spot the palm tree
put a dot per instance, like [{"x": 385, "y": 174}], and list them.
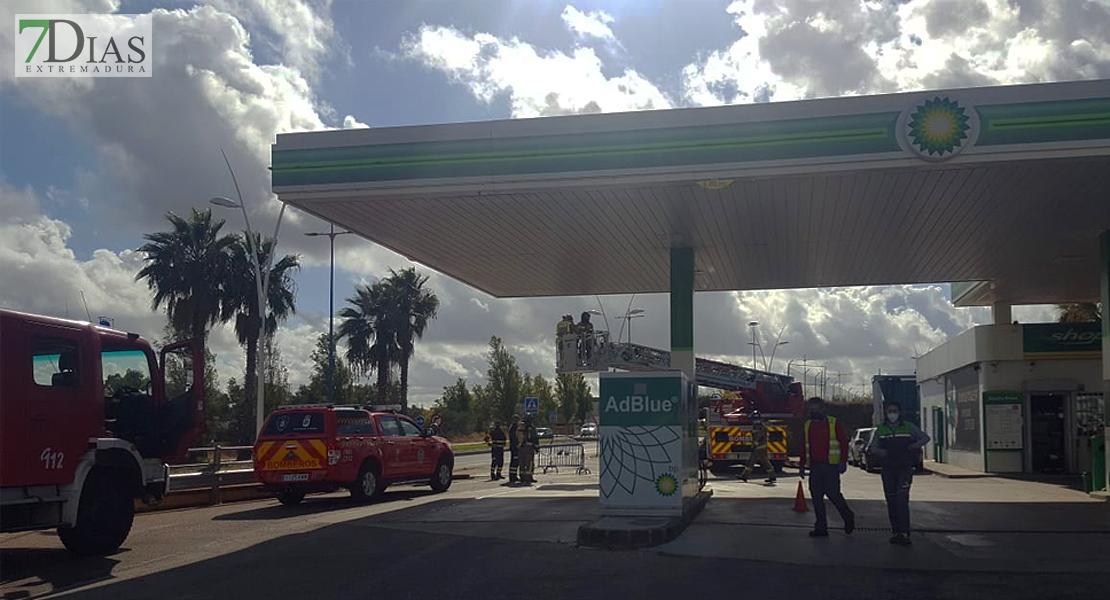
[
  {"x": 412, "y": 306},
  {"x": 187, "y": 267},
  {"x": 371, "y": 338},
  {"x": 242, "y": 303},
  {"x": 1088, "y": 312}
]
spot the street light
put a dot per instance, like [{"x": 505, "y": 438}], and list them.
[
  {"x": 775, "y": 349},
  {"x": 635, "y": 313},
  {"x": 261, "y": 282},
  {"x": 331, "y": 310},
  {"x": 753, "y": 325}
]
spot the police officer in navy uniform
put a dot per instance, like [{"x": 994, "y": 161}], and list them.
[
  {"x": 514, "y": 449},
  {"x": 497, "y": 440}
]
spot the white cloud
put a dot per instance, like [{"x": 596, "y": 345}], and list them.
[
  {"x": 588, "y": 24},
  {"x": 301, "y": 33},
  {"x": 791, "y": 49},
  {"x": 350, "y": 122},
  {"x": 537, "y": 82}
]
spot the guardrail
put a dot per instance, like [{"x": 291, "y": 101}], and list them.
[{"x": 213, "y": 468}]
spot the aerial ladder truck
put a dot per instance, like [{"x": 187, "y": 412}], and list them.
[{"x": 777, "y": 398}]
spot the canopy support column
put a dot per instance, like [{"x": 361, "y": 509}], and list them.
[
  {"x": 682, "y": 311},
  {"x": 1104, "y": 287},
  {"x": 1002, "y": 313}
]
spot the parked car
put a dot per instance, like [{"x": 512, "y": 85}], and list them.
[
  {"x": 545, "y": 433},
  {"x": 305, "y": 449},
  {"x": 589, "y": 430},
  {"x": 857, "y": 446}
]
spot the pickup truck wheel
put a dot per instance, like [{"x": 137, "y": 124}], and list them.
[
  {"x": 290, "y": 497},
  {"x": 368, "y": 485},
  {"x": 104, "y": 516},
  {"x": 441, "y": 479}
]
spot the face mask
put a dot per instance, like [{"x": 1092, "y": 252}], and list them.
[{"x": 892, "y": 417}]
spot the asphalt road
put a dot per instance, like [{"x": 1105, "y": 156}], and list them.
[{"x": 416, "y": 544}]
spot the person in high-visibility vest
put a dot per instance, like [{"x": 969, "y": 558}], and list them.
[
  {"x": 894, "y": 446},
  {"x": 824, "y": 451},
  {"x": 759, "y": 451},
  {"x": 496, "y": 439},
  {"x": 565, "y": 326}
]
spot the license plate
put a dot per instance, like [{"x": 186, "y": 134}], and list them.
[{"x": 294, "y": 477}]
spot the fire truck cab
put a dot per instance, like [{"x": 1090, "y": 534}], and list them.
[{"x": 89, "y": 418}]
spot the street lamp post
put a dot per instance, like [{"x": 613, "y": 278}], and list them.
[
  {"x": 775, "y": 349},
  {"x": 261, "y": 282},
  {"x": 753, "y": 325},
  {"x": 331, "y": 309},
  {"x": 635, "y": 313}
]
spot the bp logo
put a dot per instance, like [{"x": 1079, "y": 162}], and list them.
[
  {"x": 666, "y": 484},
  {"x": 938, "y": 129}
]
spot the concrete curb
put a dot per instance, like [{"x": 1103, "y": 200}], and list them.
[
  {"x": 631, "y": 534},
  {"x": 958, "y": 475}
]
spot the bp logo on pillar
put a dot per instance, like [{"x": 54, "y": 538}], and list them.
[{"x": 938, "y": 128}]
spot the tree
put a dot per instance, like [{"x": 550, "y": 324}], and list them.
[
  {"x": 371, "y": 339},
  {"x": 187, "y": 268},
  {"x": 573, "y": 396},
  {"x": 1088, "y": 312},
  {"x": 504, "y": 381},
  {"x": 410, "y": 309},
  {"x": 242, "y": 301},
  {"x": 456, "y": 397},
  {"x": 276, "y": 378},
  {"x": 130, "y": 379},
  {"x": 316, "y": 390}
]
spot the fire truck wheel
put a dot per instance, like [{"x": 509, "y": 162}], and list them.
[
  {"x": 441, "y": 479},
  {"x": 290, "y": 497},
  {"x": 104, "y": 516},
  {"x": 368, "y": 485}
]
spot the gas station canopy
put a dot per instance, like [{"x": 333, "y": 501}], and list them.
[{"x": 1004, "y": 188}]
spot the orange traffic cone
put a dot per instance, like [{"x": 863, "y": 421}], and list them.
[{"x": 800, "y": 505}]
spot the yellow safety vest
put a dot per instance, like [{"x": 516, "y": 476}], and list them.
[{"x": 834, "y": 443}]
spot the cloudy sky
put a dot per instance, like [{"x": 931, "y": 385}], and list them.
[{"x": 88, "y": 166}]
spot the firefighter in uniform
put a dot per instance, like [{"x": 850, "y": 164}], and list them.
[
  {"x": 585, "y": 331},
  {"x": 563, "y": 328},
  {"x": 529, "y": 443},
  {"x": 496, "y": 439},
  {"x": 514, "y": 449},
  {"x": 759, "y": 450}
]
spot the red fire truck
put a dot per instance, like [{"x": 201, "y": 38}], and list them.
[{"x": 89, "y": 418}]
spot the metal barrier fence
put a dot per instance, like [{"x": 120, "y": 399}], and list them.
[
  {"x": 213, "y": 468},
  {"x": 553, "y": 456}
]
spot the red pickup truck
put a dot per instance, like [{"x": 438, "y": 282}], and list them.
[{"x": 321, "y": 448}]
